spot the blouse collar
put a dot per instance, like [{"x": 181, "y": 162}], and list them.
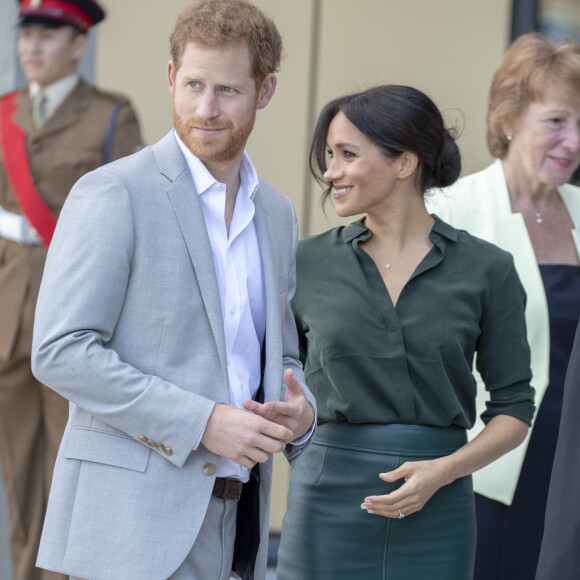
[{"x": 357, "y": 230}]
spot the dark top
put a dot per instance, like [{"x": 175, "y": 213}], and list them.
[
  {"x": 369, "y": 362},
  {"x": 559, "y": 556},
  {"x": 562, "y": 287}
]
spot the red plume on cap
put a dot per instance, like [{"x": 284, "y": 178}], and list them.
[{"x": 81, "y": 14}]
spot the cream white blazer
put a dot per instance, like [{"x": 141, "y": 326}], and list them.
[{"x": 480, "y": 204}]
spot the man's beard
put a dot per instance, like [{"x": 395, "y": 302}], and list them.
[{"x": 223, "y": 147}]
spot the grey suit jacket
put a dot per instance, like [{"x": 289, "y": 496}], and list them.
[{"x": 129, "y": 329}]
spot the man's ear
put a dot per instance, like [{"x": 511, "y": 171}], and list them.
[
  {"x": 408, "y": 163},
  {"x": 266, "y": 90},
  {"x": 80, "y": 43},
  {"x": 171, "y": 72}
]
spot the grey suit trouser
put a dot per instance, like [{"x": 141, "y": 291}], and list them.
[{"x": 212, "y": 553}]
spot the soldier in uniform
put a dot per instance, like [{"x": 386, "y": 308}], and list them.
[{"x": 51, "y": 133}]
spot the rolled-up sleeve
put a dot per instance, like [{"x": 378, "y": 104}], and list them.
[{"x": 503, "y": 353}]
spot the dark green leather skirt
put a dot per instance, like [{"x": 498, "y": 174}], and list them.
[{"x": 325, "y": 533}]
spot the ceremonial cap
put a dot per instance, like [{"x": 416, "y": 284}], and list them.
[{"x": 81, "y": 14}]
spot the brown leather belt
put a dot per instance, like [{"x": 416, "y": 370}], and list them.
[{"x": 226, "y": 488}]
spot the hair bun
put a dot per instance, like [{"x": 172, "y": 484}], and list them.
[{"x": 448, "y": 161}]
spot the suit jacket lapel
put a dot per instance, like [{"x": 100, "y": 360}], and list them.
[
  {"x": 569, "y": 195},
  {"x": 184, "y": 199},
  {"x": 65, "y": 115},
  {"x": 23, "y": 113},
  {"x": 263, "y": 231}
]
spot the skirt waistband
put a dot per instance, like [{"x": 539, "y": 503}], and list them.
[{"x": 410, "y": 440}]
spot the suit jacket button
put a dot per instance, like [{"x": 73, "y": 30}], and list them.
[
  {"x": 151, "y": 443},
  {"x": 209, "y": 468},
  {"x": 159, "y": 447},
  {"x": 168, "y": 451},
  {"x": 143, "y": 438}
]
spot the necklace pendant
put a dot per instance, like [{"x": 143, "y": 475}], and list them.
[{"x": 387, "y": 266}]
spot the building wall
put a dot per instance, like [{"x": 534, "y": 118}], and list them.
[{"x": 447, "y": 48}]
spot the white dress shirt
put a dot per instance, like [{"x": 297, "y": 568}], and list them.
[
  {"x": 238, "y": 265},
  {"x": 55, "y": 93}
]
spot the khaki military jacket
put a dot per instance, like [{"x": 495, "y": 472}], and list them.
[{"x": 70, "y": 144}]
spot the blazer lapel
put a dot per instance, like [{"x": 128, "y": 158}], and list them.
[
  {"x": 66, "y": 114},
  {"x": 185, "y": 201},
  {"x": 23, "y": 114},
  {"x": 571, "y": 199},
  {"x": 264, "y": 231},
  {"x": 69, "y": 111}
]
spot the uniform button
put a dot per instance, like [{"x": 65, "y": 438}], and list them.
[
  {"x": 168, "y": 451},
  {"x": 209, "y": 468},
  {"x": 151, "y": 443},
  {"x": 143, "y": 438}
]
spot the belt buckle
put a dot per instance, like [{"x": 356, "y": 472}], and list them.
[
  {"x": 29, "y": 233},
  {"x": 15, "y": 227}
]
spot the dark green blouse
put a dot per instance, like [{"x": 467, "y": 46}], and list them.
[{"x": 369, "y": 362}]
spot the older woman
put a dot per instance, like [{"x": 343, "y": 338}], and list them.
[
  {"x": 390, "y": 311},
  {"x": 522, "y": 203}
]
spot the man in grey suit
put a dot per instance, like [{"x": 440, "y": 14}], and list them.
[{"x": 164, "y": 317}]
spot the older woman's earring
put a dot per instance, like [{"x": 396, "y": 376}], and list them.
[{"x": 508, "y": 137}]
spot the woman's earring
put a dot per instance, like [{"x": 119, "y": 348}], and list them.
[{"x": 508, "y": 137}]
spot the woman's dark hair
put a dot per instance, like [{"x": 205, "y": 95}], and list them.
[{"x": 397, "y": 119}]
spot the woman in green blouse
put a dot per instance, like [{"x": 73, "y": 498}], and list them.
[{"x": 391, "y": 312}]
